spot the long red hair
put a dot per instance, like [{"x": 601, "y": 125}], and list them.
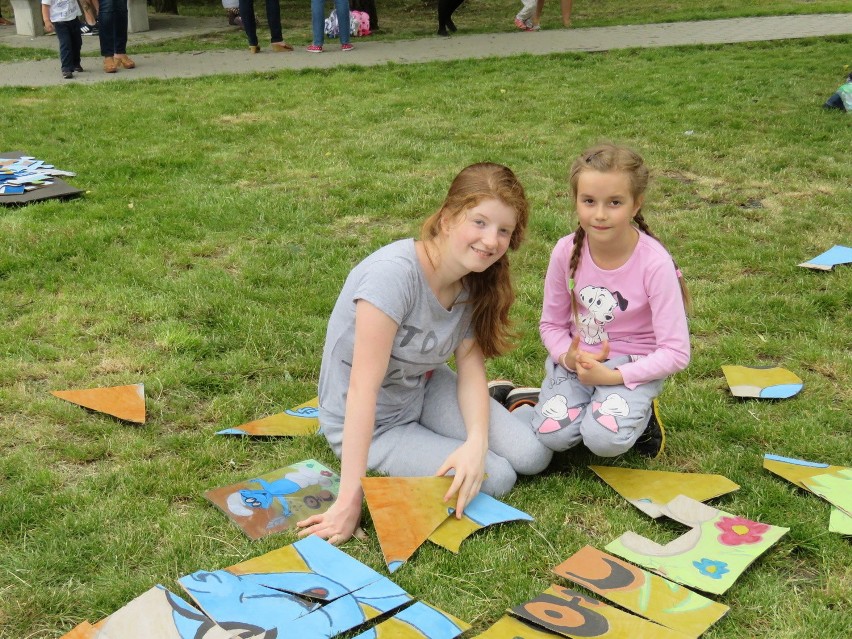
[{"x": 490, "y": 292}]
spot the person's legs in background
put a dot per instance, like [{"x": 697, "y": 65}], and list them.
[
  {"x": 343, "y": 19},
  {"x": 317, "y": 25}
]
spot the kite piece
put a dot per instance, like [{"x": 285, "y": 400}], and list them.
[
  {"x": 306, "y": 589},
  {"x": 84, "y": 630},
  {"x": 641, "y": 592},
  {"x": 123, "y": 402},
  {"x": 572, "y": 614},
  {"x": 162, "y": 614},
  {"x": 709, "y": 557},
  {"x": 418, "y": 621},
  {"x": 23, "y": 179},
  {"x": 405, "y": 512},
  {"x": 840, "y": 522},
  {"x": 835, "y": 488},
  {"x": 513, "y": 628},
  {"x": 765, "y": 383},
  {"x": 798, "y": 470},
  {"x": 483, "y": 510},
  {"x": 302, "y": 420},
  {"x": 832, "y": 257},
  {"x": 651, "y": 490},
  {"x": 276, "y": 501}
]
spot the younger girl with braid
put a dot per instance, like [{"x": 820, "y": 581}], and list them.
[{"x": 614, "y": 317}]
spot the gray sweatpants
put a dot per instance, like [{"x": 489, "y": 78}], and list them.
[
  {"x": 417, "y": 449},
  {"x": 607, "y": 419}
]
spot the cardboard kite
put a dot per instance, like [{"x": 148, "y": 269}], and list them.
[
  {"x": 651, "y": 490},
  {"x": 483, "y": 510},
  {"x": 514, "y": 628},
  {"x": 25, "y": 179},
  {"x": 641, "y": 592},
  {"x": 294, "y": 422},
  {"x": 123, "y": 402},
  {"x": 832, "y": 257},
  {"x": 573, "y": 614},
  {"x": 416, "y": 501},
  {"x": 307, "y": 589},
  {"x": 84, "y": 630},
  {"x": 765, "y": 383},
  {"x": 711, "y": 556},
  {"x": 418, "y": 621},
  {"x": 835, "y": 488},
  {"x": 419, "y": 502},
  {"x": 162, "y": 614},
  {"x": 275, "y": 501},
  {"x": 803, "y": 473}
]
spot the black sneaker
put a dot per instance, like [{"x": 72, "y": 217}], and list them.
[
  {"x": 499, "y": 389},
  {"x": 89, "y": 29},
  {"x": 652, "y": 442},
  {"x": 78, "y": 69},
  {"x": 68, "y": 75},
  {"x": 522, "y": 397}
]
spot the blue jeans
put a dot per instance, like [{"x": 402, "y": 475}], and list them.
[
  {"x": 318, "y": 20},
  {"x": 273, "y": 17},
  {"x": 112, "y": 18},
  {"x": 70, "y": 42}
]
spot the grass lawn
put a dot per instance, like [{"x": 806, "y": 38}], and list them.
[{"x": 222, "y": 215}]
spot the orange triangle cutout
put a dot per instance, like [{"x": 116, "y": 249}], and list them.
[
  {"x": 405, "y": 511},
  {"x": 124, "y": 402}
]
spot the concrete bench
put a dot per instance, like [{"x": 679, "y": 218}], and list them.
[{"x": 28, "y": 20}]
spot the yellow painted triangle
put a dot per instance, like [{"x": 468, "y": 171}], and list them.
[
  {"x": 124, "y": 402},
  {"x": 405, "y": 511},
  {"x": 300, "y": 420},
  {"x": 648, "y": 490},
  {"x": 798, "y": 470}
]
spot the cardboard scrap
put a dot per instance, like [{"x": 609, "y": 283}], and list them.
[
  {"x": 651, "y": 490},
  {"x": 711, "y": 556},
  {"x": 123, "y": 402},
  {"x": 275, "y": 501},
  {"x": 764, "y": 383},
  {"x": 294, "y": 422},
  {"x": 641, "y": 592}
]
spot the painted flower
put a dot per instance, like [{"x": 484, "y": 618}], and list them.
[
  {"x": 737, "y": 530},
  {"x": 711, "y": 568}
]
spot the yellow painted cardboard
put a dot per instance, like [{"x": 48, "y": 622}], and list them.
[
  {"x": 650, "y": 490},
  {"x": 642, "y": 592}
]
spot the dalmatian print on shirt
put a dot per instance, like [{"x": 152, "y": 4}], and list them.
[{"x": 600, "y": 305}]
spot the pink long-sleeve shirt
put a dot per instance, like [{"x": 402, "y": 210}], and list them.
[{"x": 638, "y": 307}]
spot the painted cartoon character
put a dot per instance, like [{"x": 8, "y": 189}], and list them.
[
  {"x": 243, "y": 502},
  {"x": 601, "y": 305}
]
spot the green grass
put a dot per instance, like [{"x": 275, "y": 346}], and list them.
[{"x": 222, "y": 214}]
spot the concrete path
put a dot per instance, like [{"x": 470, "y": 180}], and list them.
[{"x": 372, "y": 52}]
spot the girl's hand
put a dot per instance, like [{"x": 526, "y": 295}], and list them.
[
  {"x": 592, "y": 372},
  {"x": 468, "y": 460},
  {"x": 568, "y": 360},
  {"x": 337, "y": 524}
]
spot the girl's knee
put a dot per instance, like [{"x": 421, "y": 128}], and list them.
[{"x": 500, "y": 477}]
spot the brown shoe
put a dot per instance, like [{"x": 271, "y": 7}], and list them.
[
  {"x": 110, "y": 65},
  {"x": 281, "y": 47},
  {"x": 124, "y": 61}
]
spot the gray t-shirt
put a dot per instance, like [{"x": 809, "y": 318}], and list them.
[{"x": 392, "y": 280}]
